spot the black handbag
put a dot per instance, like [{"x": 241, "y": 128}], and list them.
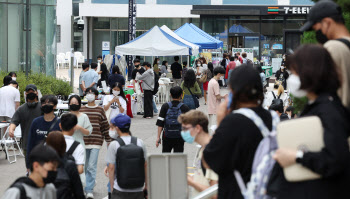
[{"x": 195, "y": 99}]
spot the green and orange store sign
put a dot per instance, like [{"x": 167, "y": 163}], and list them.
[{"x": 288, "y": 10}]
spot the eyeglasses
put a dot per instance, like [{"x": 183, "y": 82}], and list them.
[{"x": 186, "y": 129}]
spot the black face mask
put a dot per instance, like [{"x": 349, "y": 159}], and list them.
[
  {"x": 137, "y": 66},
  {"x": 32, "y": 104},
  {"x": 31, "y": 96},
  {"x": 74, "y": 107},
  {"x": 47, "y": 108},
  {"x": 320, "y": 37},
  {"x": 51, "y": 177}
]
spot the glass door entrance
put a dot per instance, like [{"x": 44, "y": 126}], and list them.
[{"x": 245, "y": 42}]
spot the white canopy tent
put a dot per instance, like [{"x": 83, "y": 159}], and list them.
[
  {"x": 195, "y": 48},
  {"x": 154, "y": 42}
]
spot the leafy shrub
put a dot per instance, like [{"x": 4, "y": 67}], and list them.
[{"x": 46, "y": 84}]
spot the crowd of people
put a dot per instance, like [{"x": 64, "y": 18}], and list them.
[{"x": 239, "y": 149}]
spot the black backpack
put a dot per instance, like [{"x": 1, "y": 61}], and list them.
[
  {"x": 130, "y": 165},
  {"x": 223, "y": 63},
  {"x": 172, "y": 127},
  {"x": 276, "y": 101},
  {"x": 23, "y": 193},
  {"x": 156, "y": 84},
  {"x": 69, "y": 153}
]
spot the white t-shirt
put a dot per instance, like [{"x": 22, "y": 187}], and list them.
[
  {"x": 8, "y": 98},
  {"x": 238, "y": 63},
  {"x": 79, "y": 152},
  {"x": 201, "y": 69},
  {"x": 112, "y": 155},
  {"x": 114, "y": 107},
  {"x": 269, "y": 97}
]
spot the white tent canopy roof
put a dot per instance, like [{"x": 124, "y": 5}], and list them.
[
  {"x": 154, "y": 42},
  {"x": 195, "y": 48}
]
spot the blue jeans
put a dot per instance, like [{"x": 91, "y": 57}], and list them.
[
  {"x": 90, "y": 168},
  {"x": 155, "y": 110}
]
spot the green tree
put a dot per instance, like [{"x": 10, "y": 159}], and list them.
[{"x": 310, "y": 36}]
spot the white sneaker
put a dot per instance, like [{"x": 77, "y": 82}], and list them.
[{"x": 89, "y": 196}]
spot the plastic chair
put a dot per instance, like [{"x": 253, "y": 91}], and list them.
[
  {"x": 67, "y": 59},
  {"x": 18, "y": 135},
  {"x": 60, "y": 61},
  {"x": 167, "y": 92},
  {"x": 80, "y": 59},
  {"x": 8, "y": 143}
]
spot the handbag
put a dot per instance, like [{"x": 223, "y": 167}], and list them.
[
  {"x": 195, "y": 99},
  {"x": 204, "y": 78}
]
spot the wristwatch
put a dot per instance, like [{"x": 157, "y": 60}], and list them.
[{"x": 299, "y": 156}]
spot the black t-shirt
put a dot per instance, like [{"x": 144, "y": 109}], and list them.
[
  {"x": 176, "y": 69},
  {"x": 162, "y": 114},
  {"x": 141, "y": 71},
  {"x": 232, "y": 148},
  {"x": 104, "y": 74}
]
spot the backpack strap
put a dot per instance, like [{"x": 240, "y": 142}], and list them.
[
  {"x": 274, "y": 96},
  {"x": 120, "y": 141},
  {"x": 19, "y": 185},
  {"x": 72, "y": 148},
  {"x": 279, "y": 96},
  {"x": 345, "y": 41},
  {"x": 134, "y": 140},
  {"x": 170, "y": 105},
  {"x": 258, "y": 121},
  {"x": 179, "y": 105}
]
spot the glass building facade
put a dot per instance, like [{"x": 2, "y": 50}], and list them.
[
  {"x": 270, "y": 35},
  {"x": 42, "y": 36}
]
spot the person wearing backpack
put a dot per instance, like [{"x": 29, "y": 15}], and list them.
[
  {"x": 127, "y": 182},
  {"x": 148, "y": 86},
  {"x": 67, "y": 183},
  {"x": 43, "y": 125},
  {"x": 74, "y": 148},
  {"x": 168, "y": 124},
  {"x": 43, "y": 161},
  {"x": 276, "y": 96},
  {"x": 232, "y": 147}
]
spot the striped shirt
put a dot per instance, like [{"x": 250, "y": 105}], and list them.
[{"x": 100, "y": 127}]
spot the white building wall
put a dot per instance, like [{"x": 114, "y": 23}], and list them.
[{"x": 64, "y": 13}]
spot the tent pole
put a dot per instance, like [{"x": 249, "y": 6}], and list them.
[
  {"x": 181, "y": 59},
  {"x": 188, "y": 61}
]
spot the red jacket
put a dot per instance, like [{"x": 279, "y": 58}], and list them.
[{"x": 230, "y": 66}]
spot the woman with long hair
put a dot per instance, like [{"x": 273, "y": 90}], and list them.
[
  {"x": 190, "y": 85},
  {"x": 209, "y": 73},
  {"x": 116, "y": 76},
  {"x": 115, "y": 103},
  {"x": 156, "y": 63}
]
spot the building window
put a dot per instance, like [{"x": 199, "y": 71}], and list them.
[
  {"x": 58, "y": 33},
  {"x": 117, "y": 1},
  {"x": 184, "y": 2}
]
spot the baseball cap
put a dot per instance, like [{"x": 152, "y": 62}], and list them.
[
  {"x": 322, "y": 9},
  {"x": 31, "y": 87},
  {"x": 122, "y": 121}
]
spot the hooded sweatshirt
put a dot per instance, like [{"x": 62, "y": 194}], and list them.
[
  {"x": 147, "y": 80},
  {"x": 32, "y": 191}
]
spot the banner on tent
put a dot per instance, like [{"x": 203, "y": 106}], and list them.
[
  {"x": 207, "y": 56},
  {"x": 249, "y": 51}
]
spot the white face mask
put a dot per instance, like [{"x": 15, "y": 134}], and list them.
[
  {"x": 14, "y": 78},
  {"x": 157, "y": 62},
  {"x": 98, "y": 61},
  {"x": 90, "y": 97},
  {"x": 113, "y": 134},
  {"x": 116, "y": 93},
  {"x": 289, "y": 116},
  {"x": 198, "y": 65},
  {"x": 294, "y": 84},
  {"x": 282, "y": 67}
]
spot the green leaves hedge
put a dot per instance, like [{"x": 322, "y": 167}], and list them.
[{"x": 46, "y": 84}]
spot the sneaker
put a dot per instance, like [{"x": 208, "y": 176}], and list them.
[
  {"x": 155, "y": 114},
  {"x": 89, "y": 196},
  {"x": 140, "y": 113}
]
